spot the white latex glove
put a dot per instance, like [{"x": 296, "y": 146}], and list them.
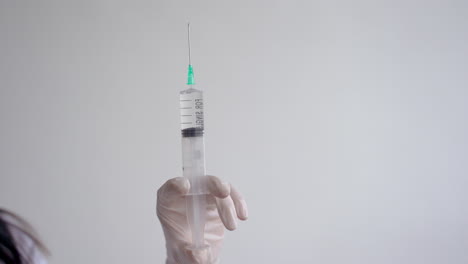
[{"x": 224, "y": 205}]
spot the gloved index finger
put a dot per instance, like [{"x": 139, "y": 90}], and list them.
[
  {"x": 218, "y": 188},
  {"x": 176, "y": 186}
]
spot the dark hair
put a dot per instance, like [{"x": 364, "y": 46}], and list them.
[{"x": 13, "y": 251}]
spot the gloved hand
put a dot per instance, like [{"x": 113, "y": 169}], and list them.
[{"x": 224, "y": 205}]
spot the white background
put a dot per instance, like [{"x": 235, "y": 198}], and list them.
[{"x": 344, "y": 123}]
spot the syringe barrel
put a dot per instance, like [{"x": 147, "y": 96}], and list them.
[
  {"x": 193, "y": 145},
  {"x": 193, "y": 161}
]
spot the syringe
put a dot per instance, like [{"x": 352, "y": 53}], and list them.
[{"x": 193, "y": 156}]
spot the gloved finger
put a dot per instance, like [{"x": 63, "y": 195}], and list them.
[
  {"x": 240, "y": 204},
  {"x": 178, "y": 186},
  {"x": 227, "y": 212},
  {"x": 218, "y": 188}
]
